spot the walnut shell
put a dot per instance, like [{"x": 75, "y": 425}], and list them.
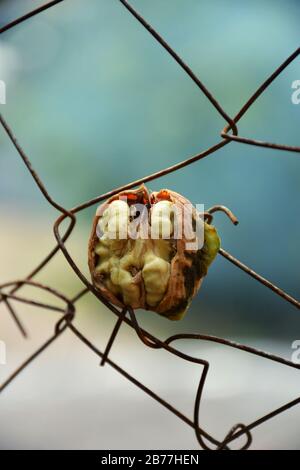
[{"x": 159, "y": 274}]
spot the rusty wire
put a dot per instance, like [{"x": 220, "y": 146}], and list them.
[{"x": 127, "y": 315}]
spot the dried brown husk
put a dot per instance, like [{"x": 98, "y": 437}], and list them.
[{"x": 187, "y": 267}]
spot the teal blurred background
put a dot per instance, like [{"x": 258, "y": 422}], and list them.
[{"x": 95, "y": 102}]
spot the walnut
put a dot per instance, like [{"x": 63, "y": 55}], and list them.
[{"x": 141, "y": 255}]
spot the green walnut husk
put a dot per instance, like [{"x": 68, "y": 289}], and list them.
[{"x": 157, "y": 274}]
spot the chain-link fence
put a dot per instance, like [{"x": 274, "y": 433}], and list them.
[{"x": 11, "y": 291}]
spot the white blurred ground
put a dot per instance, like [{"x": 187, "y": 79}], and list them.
[{"x": 65, "y": 400}]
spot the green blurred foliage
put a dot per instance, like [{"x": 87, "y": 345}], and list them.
[{"x": 96, "y": 102}]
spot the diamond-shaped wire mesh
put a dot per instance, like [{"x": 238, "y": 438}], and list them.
[{"x": 9, "y": 291}]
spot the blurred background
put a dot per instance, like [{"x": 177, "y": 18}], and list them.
[{"x": 96, "y": 102}]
